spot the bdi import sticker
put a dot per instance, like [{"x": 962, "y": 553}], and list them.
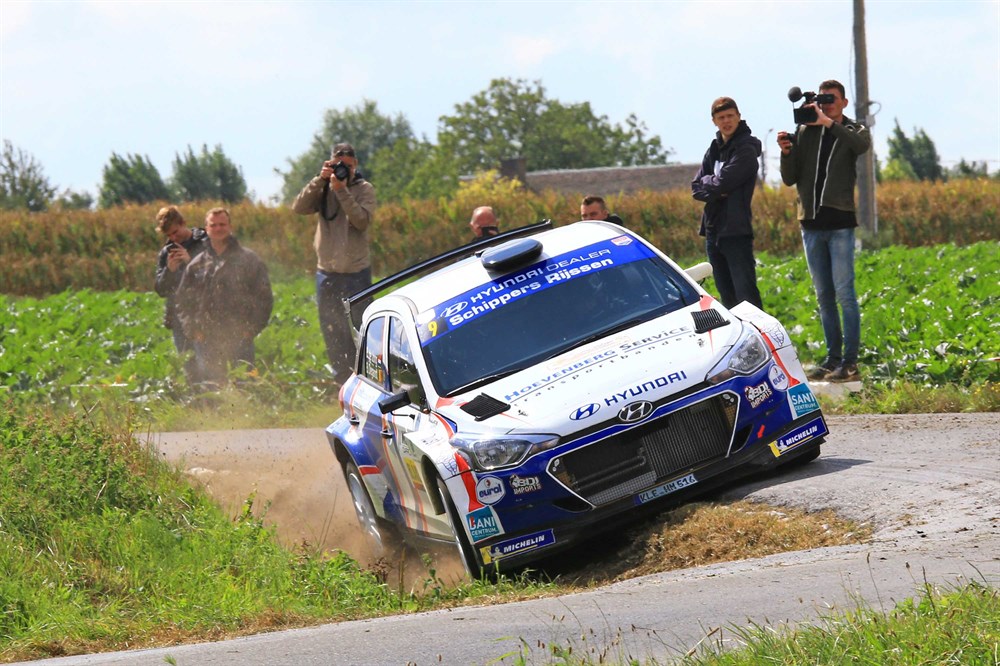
[
  {"x": 788, "y": 441},
  {"x": 498, "y": 551}
]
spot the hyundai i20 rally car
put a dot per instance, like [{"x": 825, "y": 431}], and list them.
[{"x": 532, "y": 388}]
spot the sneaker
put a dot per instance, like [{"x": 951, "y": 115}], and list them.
[
  {"x": 825, "y": 368},
  {"x": 847, "y": 372}
]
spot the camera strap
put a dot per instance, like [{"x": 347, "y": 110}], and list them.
[{"x": 322, "y": 204}]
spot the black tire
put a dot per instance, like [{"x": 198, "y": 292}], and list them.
[
  {"x": 466, "y": 552},
  {"x": 379, "y": 541},
  {"x": 805, "y": 458}
]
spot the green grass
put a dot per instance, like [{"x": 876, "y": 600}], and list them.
[
  {"x": 102, "y": 546},
  {"x": 959, "y": 626}
]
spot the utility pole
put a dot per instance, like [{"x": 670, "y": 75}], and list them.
[{"x": 867, "y": 212}]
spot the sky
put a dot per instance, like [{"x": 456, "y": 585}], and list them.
[{"x": 82, "y": 79}]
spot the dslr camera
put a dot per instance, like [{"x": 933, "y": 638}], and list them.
[
  {"x": 341, "y": 171},
  {"x": 801, "y": 114}
]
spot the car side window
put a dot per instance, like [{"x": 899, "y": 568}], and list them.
[
  {"x": 402, "y": 368},
  {"x": 374, "y": 364}
]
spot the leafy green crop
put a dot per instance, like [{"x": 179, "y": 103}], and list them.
[
  {"x": 77, "y": 348},
  {"x": 929, "y": 315}
]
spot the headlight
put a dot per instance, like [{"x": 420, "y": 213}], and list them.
[
  {"x": 745, "y": 358},
  {"x": 490, "y": 453}
]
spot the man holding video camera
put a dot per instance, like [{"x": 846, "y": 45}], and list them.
[
  {"x": 345, "y": 204},
  {"x": 820, "y": 159}
]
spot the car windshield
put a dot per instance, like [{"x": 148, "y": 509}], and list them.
[{"x": 545, "y": 309}]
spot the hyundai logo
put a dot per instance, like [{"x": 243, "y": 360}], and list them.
[
  {"x": 635, "y": 411},
  {"x": 585, "y": 412},
  {"x": 454, "y": 309}
]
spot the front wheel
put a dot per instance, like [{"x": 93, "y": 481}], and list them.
[
  {"x": 378, "y": 541},
  {"x": 465, "y": 550},
  {"x": 804, "y": 459}
]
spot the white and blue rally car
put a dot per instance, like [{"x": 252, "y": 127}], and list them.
[{"x": 530, "y": 389}]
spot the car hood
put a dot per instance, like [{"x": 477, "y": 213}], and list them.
[{"x": 649, "y": 362}]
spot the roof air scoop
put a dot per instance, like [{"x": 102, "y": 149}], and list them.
[{"x": 511, "y": 254}]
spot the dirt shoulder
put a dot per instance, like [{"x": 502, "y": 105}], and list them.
[{"x": 929, "y": 475}]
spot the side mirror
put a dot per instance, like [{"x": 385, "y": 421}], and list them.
[
  {"x": 700, "y": 272},
  {"x": 394, "y": 402}
]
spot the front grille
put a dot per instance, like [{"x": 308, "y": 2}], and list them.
[{"x": 630, "y": 462}]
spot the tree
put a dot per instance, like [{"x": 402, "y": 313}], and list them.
[
  {"x": 209, "y": 176},
  {"x": 414, "y": 168},
  {"x": 133, "y": 179},
  {"x": 971, "y": 169},
  {"x": 70, "y": 200},
  {"x": 896, "y": 170},
  {"x": 515, "y": 118},
  {"x": 22, "y": 182},
  {"x": 363, "y": 126},
  {"x": 919, "y": 152}
]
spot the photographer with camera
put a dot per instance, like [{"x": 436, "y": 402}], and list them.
[
  {"x": 345, "y": 204},
  {"x": 820, "y": 160},
  {"x": 725, "y": 183},
  {"x": 182, "y": 245}
]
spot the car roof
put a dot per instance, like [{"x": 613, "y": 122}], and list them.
[{"x": 445, "y": 283}]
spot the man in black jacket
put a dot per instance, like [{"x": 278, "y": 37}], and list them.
[
  {"x": 183, "y": 244},
  {"x": 593, "y": 208},
  {"x": 726, "y": 182},
  {"x": 224, "y": 301}
]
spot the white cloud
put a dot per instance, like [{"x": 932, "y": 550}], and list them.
[{"x": 527, "y": 51}]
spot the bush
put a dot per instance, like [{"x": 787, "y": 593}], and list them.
[{"x": 48, "y": 252}]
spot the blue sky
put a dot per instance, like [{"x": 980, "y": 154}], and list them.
[{"x": 80, "y": 80}]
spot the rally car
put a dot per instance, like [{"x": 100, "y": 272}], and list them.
[{"x": 521, "y": 393}]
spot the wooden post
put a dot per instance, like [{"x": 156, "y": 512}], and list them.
[{"x": 867, "y": 212}]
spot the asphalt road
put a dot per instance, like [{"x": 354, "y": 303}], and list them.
[{"x": 930, "y": 485}]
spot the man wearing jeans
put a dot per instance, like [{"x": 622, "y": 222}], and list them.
[
  {"x": 725, "y": 183},
  {"x": 344, "y": 204},
  {"x": 820, "y": 159}
]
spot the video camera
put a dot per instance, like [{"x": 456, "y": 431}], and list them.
[{"x": 803, "y": 115}]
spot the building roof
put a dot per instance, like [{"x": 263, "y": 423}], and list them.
[{"x": 609, "y": 181}]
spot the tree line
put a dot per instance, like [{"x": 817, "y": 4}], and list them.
[{"x": 510, "y": 118}]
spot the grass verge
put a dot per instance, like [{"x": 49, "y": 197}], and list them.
[
  {"x": 959, "y": 625},
  {"x": 105, "y": 547}
]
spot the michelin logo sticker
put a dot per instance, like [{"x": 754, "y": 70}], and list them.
[
  {"x": 785, "y": 443},
  {"x": 498, "y": 551}
]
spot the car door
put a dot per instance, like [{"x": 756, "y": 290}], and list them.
[{"x": 407, "y": 430}]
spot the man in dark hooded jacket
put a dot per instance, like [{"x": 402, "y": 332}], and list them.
[{"x": 726, "y": 182}]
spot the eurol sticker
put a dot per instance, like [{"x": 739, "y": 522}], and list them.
[
  {"x": 778, "y": 378},
  {"x": 489, "y": 490}
]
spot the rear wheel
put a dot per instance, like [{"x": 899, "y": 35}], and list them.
[
  {"x": 465, "y": 550},
  {"x": 378, "y": 539}
]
